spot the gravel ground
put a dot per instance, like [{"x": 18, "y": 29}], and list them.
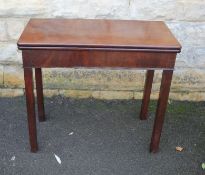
[{"x": 96, "y": 137}]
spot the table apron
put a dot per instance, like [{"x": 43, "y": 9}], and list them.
[{"x": 96, "y": 58}]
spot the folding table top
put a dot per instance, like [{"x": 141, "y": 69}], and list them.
[{"x": 98, "y": 34}]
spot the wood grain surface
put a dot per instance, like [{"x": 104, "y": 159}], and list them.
[{"x": 97, "y": 33}]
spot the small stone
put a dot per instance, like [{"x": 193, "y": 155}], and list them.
[
  {"x": 71, "y": 133},
  {"x": 13, "y": 158}
]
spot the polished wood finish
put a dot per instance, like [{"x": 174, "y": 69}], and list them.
[
  {"x": 48, "y": 43},
  {"x": 100, "y": 33},
  {"x": 30, "y": 102},
  {"x": 161, "y": 109},
  {"x": 39, "y": 93},
  {"x": 146, "y": 95},
  {"x": 121, "y": 59}
]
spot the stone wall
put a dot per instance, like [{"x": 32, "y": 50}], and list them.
[{"x": 186, "y": 19}]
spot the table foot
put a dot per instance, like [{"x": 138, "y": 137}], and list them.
[
  {"x": 34, "y": 150},
  {"x": 146, "y": 95},
  {"x": 153, "y": 150},
  {"x": 161, "y": 109}
]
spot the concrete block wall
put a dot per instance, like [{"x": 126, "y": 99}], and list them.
[{"x": 186, "y": 19}]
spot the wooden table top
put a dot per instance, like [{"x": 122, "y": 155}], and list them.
[{"x": 98, "y": 33}]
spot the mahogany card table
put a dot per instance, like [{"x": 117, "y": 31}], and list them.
[{"x": 98, "y": 43}]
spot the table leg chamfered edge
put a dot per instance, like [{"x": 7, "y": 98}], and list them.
[
  {"x": 146, "y": 94},
  {"x": 161, "y": 109},
  {"x": 30, "y": 102},
  {"x": 39, "y": 92}
]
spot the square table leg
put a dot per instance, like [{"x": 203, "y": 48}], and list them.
[
  {"x": 146, "y": 95},
  {"x": 39, "y": 92},
  {"x": 161, "y": 109},
  {"x": 30, "y": 102}
]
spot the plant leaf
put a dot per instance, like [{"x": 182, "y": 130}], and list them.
[{"x": 203, "y": 166}]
